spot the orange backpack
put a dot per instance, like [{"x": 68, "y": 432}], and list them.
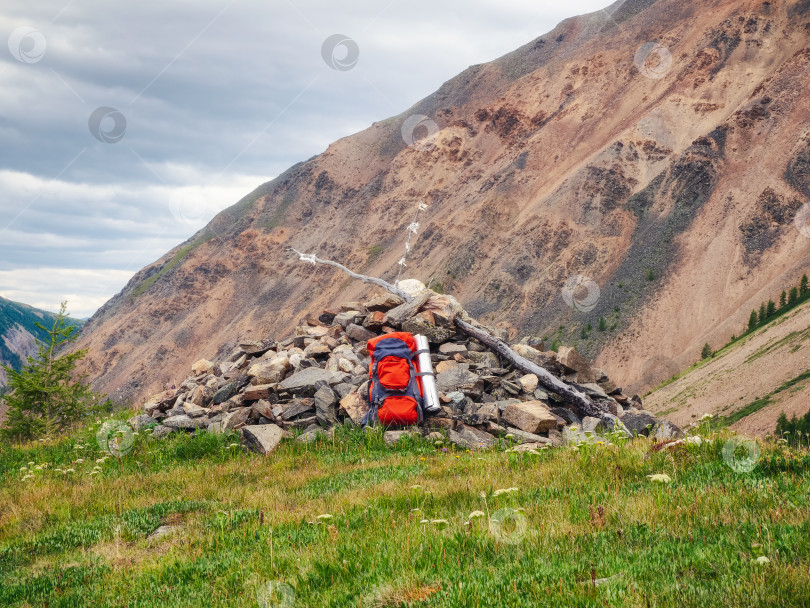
[{"x": 395, "y": 389}]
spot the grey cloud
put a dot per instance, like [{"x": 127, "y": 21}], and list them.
[{"x": 215, "y": 94}]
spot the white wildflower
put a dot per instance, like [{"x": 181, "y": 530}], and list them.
[
  {"x": 763, "y": 560},
  {"x": 79, "y": 460},
  {"x": 476, "y": 514},
  {"x": 439, "y": 522},
  {"x": 660, "y": 478},
  {"x": 324, "y": 516}
]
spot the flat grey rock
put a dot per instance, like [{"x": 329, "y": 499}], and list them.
[{"x": 262, "y": 438}]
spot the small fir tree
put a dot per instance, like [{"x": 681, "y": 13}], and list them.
[
  {"x": 793, "y": 297},
  {"x": 44, "y": 397},
  {"x": 706, "y": 352},
  {"x": 752, "y": 321}
]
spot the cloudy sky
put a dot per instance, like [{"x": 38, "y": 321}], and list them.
[{"x": 126, "y": 126}]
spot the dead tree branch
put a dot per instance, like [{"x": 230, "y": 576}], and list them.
[{"x": 309, "y": 257}]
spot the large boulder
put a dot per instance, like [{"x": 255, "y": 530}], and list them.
[
  {"x": 666, "y": 430},
  {"x": 528, "y": 383},
  {"x": 639, "y": 422},
  {"x": 326, "y": 406},
  {"x": 396, "y": 316},
  {"x": 262, "y": 438},
  {"x": 573, "y": 362},
  {"x": 138, "y": 423},
  {"x": 160, "y": 431},
  {"x": 484, "y": 359},
  {"x": 226, "y": 392},
  {"x": 458, "y": 379},
  {"x": 359, "y": 333},
  {"x": 309, "y": 380},
  {"x": 471, "y": 438},
  {"x": 235, "y": 419},
  {"x": 530, "y": 416},
  {"x": 185, "y": 422},
  {"x": 203, "y": 366},
  {"x": 355, "y": 406},
  {"x": 268, "y": 372},
  {"x": 344, "y": 319},
  {"x": 425, "y": 325},
  {"x": 391, "y": 437},
  {"x": 567, "y": 415},
  {"x": 606, "y": 424},
  {"x": 258, "y": 391},
  {"x": 384, "y": 302},
  {"x": 193, "y": 410},
  {"x": 297, "y": 407}
]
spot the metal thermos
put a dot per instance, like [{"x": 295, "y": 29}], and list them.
[{"x": 430, "y": 394}]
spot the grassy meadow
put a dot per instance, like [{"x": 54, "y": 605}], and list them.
[{"x": 351, "y": 521}]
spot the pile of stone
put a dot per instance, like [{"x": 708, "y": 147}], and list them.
[{"x": 317, "y": 379}]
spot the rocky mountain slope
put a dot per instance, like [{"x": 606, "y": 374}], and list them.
[{"x": 659, "y": 148}]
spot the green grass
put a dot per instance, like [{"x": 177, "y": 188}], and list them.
[{"x": 242, "y": 521}]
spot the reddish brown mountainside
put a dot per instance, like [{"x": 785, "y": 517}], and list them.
[{"x": 676, "y": 195}]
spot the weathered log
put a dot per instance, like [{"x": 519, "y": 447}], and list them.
[
  {"x": 547, "y": 380},
  {"x": 308, "y": 257}
]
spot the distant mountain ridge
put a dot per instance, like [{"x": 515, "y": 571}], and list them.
[{"x": 19, "y": 333}]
